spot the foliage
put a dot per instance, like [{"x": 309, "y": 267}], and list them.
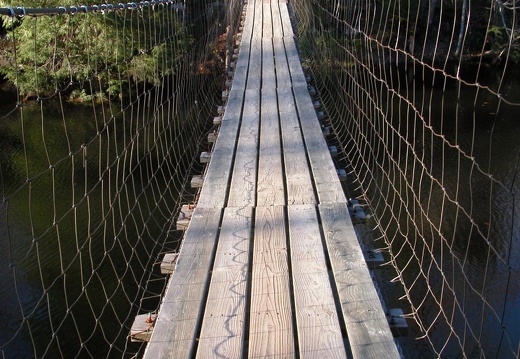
[
  {"x": 504, "y": 43},
  {"x": 112, "y": 47}
]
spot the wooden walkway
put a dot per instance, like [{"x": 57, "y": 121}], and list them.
[{"x": 270, "y": 266}]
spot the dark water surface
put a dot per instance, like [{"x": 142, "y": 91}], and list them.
[
  {"x": 85, "y": 207},
  {"x": 76, "y": 238},
  {"x": 468, "y": 280}
]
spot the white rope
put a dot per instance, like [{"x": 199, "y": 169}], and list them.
[
  {"x": 424, "y": 137},
  {"x": 91, "y": 191}
]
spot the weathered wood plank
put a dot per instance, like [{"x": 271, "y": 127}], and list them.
[
  {"x": 328, "y": 185},
  {"x": 299, "y": 187},
  {"x": 223, "y": 326},
  {"x": 271, "y": 331},
  {"x": 258, "y": 19},
  {"x": 268, "y": 20},
  {"x": 268, "y": 73},
  {"x": 293, "y": 59},
  {"x": 254, "y": 79},
  {"x": 142, "y": 328},
  {"x": 270, "y": 177},
  {"x": 242, "y": 65},
  {"x": 276, "y": 19},
  {"x": 367, "y": 327},
  {"x": 283, "y": 77},
  {"x": 270, "y": 172},
  {"x": 168, "y": 262},
  {"x": 214, "y": 189},
  {"x": 319, "y": 332},
  {"x": 298, "y": 78},
  {"x": 243, "y": 181},
  {"x": 286, "y": 20},
  {"x": 247, "y": 31},
  {"x": 174, "y": 334}
]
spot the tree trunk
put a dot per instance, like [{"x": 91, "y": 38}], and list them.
[
  {"x": 431, "y": 13},
  {"x": 462, "y": 30}
]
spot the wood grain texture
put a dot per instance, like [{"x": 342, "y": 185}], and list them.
[
  {"x": 242, "y": 64},
  {"x": 285, "y": 18},
  {"x": 258, "y": 19},
  {"x": 299, "y": 185},
  {"x": 255, "y": 280},
  {"x": 276, "y": 19},
  {"x": 268, "y": 20},
  {"x": 293, "y": 59},
  {"x": 283, "y": 76},
  {"x": 271, "y": 332},
  {"x": 319, "y": 332},
  {"x": 214, "y": 189},
  {"x": 270, "y": 175},
  {"x": 268, "y": 73},
  {"x": 174, "y": 334},
  {"x": 243, "y": 181},
  {"x": 223, "y": 326},
  {"x": 368, "y": 331},
  {"x": 254, "y": 79},
  {"x": 326, "y": 181}
]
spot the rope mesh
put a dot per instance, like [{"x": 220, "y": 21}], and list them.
[
  {"x": 109, "y": 106},
  {"x": 99, "y": 143},
  {"x": 422, "y": 99}
]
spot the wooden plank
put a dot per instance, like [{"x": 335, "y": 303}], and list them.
[
  {"x": 285, "y": 18},
  {"x": 270, "y": 175},
  {"x": 142, "y": 328},
  {"x": 242, "y": 65},
  {"x": 367, "y": 327},
  {"x": 234, "y": 105},
  {"x": 205, "y": 157},
  {"x": 283, "y": 76},
  {"x": 258, "y": 20},
  {"x": 276, "y": 19},
  {"x": 298, "y": 77},
  {"x": 299, "y": 185},
  {"x": 168, "y": 262},
  {"x": 214, "y": 189},
  {"x": 247, "y": 31},
  {"x": 197, "y": 181},
  {"x": 326, "y": 180},
  {"x": 223, "y": 326},
  {"x": 271, "y": 332},
  {"x": 243, "y": 180},
  {"x": 319, "y": 332},
  {"x": 293, "y": 59},
  {"x": 254, "y": 78},
  {"x": 212, "y": 137},
  {"x": 174, "y": 335},
  {"x": 268, "y": 74},
  {"x": 184, "y": 218},
  {"x": 270, "y": 188},
  {"x": 268, "y": 21}
]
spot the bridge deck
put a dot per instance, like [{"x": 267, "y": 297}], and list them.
[{"x": 270, "y": 265}]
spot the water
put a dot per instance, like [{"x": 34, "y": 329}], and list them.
[
  {"x": 477, "y": 259},
  {"x": 80, "y": 238},
  {"x": 92, "y": 262},
  {"x": 461, "y": 274}
]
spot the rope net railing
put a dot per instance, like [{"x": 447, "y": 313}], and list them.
[
  {"x": 103, "y": 110},
  {"x": 422, "y": 97}
]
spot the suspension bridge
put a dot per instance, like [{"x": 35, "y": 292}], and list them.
[
  {"x": 260, "y": 178},
  {"x": 252, "y": 276}
]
